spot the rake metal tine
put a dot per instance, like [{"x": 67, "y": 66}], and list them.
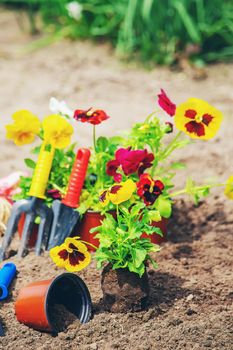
[
  {"x": 47, "y": 229},
  {"x": 46, "y": 217},
  {"x": 11, "y": 229},
  {"x": 43, "y": 231},
  {"x": 27, "y": 229}
]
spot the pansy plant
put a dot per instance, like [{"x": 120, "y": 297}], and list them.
[
  {"x": 121, "y": 244},
  {"x": 143, "y": 175}
]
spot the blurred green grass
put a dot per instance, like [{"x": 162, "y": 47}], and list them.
[{"x": 157, "y": 31}]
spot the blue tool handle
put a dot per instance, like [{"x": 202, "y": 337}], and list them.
[{"x": 7, "y": 273}]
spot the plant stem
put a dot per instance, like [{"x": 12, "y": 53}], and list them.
[
  {"x": 94, "y": 137},
  {"x": 155, "y": 163},
  {"x": 61, "y": 190},
  {"x": 150, "y": 115},
  {"x": 197, "y": 188},
  {"x": 165, "y": 153},
  {"x": 92, "y": 245},
  {"x": 170, "y": 145}
]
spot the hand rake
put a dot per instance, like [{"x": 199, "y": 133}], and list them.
[{"x": 32, "y": 207}]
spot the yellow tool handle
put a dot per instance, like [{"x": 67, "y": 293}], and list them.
[{"x": 41, "y": 172}]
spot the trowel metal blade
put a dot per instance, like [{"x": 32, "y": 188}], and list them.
[{"x": 64, "y": 220}]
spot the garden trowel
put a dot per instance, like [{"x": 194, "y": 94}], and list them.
[
  {"x": 32, "y": 207},
  {"x": 65, "y": 214}
]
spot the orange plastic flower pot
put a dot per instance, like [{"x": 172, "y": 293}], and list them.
[
  {"x": 33, "y": 305},
  {"x": 93, "y": 219},
  {"x": 33, "y": 237},
  {"x": 155, "y": 238},
  {"x": 90, "y": 220}
]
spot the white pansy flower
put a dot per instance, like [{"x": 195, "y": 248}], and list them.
[
  {"x": 74, "y": 10},
  {"x": 60, "y": 107}
]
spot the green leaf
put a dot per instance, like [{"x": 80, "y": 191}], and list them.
[
  {"x": 124, "y": 211},
  {"x": 30, "y": 163},
  {"x": 139, "y": 256},
  {"x": 120, "y": 231},
  {"x": 154, "y": 215},
  {"x": 109, "y": 222},
  {"x": 178, "y": 165},
  {"x": 139, "y": 270},
  {"x": 116, "y": 140},
  {"x": 101, "y": 144},
  {"x": 154, "y": 263},
  {"x": 164, "y": 206},
  {"x": 136, "y": 209},
  {"x": 95, "y": 229},
  {"x": 36, "y": 150},
  {"x": 190, "y": 26},
  {"x": 105, "y": 241},
  {"x": 134, "y": 232},
  {"x": 37, "y": 220},
  {"x": 158, "y": 231}
]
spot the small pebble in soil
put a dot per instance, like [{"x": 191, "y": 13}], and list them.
[
  {"x": 175, "y": 322},
  {"x": 190, "y": 312},
  {"x": 189, "y": 297},
  {"x": 207, "y": 343}
]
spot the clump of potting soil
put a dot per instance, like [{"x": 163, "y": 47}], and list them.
[
  {"x": 60, "y": 317},
  {"x": 124, "y": 291}
]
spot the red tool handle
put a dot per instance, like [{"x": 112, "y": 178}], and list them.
[{"x": 77, "y": 178}]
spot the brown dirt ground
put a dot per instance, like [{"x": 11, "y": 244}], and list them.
[{"x": 191, "y": 292}]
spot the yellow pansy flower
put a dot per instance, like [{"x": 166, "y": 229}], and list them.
[
  {"x": 71, "y": 255},
  {"x": 118, "y": 193},
  {"x": 57, "y": 131},
  {"x": 24, "y": 129},
  {"x": 198, "y": 119},
  {"x": 229, "y": 188}
]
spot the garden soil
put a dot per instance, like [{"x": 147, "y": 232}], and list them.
[{"x": 190, "y": 305}]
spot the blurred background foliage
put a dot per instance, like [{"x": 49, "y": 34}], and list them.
[{"x": 157, "y": 31}]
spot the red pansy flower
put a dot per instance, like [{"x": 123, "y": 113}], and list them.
[
  {"x": 111, "y": 170},
  {"x": 54, "y": 193},
  {"x": 148, "y": 189},
  {"x": 92, "y": 116},
  {"x": 130, "y": 161},
  {"x": 166, "y": 104}
]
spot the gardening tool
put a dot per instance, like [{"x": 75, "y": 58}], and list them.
[
  {"x": 65, "y": 212},
  {"x": 35, "y": 303},
  {"x": 32, "y": 207},
  {"x": 7, "y": 273}
]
